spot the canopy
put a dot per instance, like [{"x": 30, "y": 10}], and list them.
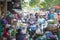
[{"x": 58, "y": 7}]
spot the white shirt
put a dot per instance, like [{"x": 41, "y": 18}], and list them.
[
  {"x": 55, "y": 15},
  {"x": 41, "y": 20}
]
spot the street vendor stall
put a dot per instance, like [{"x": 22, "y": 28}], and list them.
[
  {"x": 57, "y": 8},
  {"x": 52, "y": 25}
]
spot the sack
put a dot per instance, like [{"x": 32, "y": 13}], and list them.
[{"x": 38, "y": 31}]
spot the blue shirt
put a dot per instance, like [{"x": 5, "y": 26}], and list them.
[
  {"x": 51, "y": 16},
  {"x": 41, "y": 20}
]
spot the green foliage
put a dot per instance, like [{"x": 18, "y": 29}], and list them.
[
  {"x": 33, "y": 3},
  {"x": 14, "y": 33},
  {"x": 24, "y": 4},
  {"x": 46, "y": 3},
  {"x": 53, "y": 22},
  {"x": 50, "y": 3}
]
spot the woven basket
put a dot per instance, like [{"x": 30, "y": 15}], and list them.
[{"x": 52, "y": 28}]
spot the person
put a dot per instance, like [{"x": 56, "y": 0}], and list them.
[
  {"x": 51, "y": 15},
  {"x": 31, "y": 20},
  {"x": 49, "y": 35},
  {"x": 32, "y": 30},
  {"x": 36, "y": 15},
  {"x": 20, "y": 35},
  {"x": 4, "y": 21},
  {"x": 55, "y": 15},
  {"x": 59, "y": 33},
  {"x": 58, "y": 20},
  {"x": 47, "y": 15},
  {"x": 1, "y": 30},
  {"x": 31, "y": 25},
  {"x": 40, "y": 22},
  {"x": 6, "y": 34}
]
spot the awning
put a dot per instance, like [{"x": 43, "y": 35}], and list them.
[{"x": 57, "y": 7}]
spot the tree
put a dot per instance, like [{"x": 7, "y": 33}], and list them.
[
  {"x": 50, "y": 3},
  {"x": 34, "y": 3}
]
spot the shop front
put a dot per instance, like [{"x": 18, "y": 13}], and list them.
[
  {"x": 57, "y": 8},
  {"x": 1, "y": 8}
]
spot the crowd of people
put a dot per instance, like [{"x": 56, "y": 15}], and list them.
[{"x": 30, "y": 26}]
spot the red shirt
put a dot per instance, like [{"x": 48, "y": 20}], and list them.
[{"x": 6, "y": 33}]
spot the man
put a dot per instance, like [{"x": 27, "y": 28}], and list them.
[
  {"x": 59, "y": 20},
  {"x": 20, "y": 35},
  {"x": 51, "y": 15},
  {"x": 41, "y": 21},
  {"x": 55, "y": 15}
]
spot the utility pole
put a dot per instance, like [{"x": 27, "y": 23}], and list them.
[
  {"x": 5, "y": 7},
  {"x": 0, "y": 11}
]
